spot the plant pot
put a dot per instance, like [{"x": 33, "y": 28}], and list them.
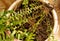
[{"x": 56, "y": 28}]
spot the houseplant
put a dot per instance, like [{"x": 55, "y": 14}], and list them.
[
  {"x": 55, "y": 30},
  {"x": 31, "y": 21}
]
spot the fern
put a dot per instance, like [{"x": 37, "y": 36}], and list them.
[
  {"x": 30, "y": 37},
  {"x": 25, "y": 3}
]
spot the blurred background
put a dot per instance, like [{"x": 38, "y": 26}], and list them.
[{"x": 4, "y": 4}]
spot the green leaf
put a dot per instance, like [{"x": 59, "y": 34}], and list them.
[
  {"x": 25, "y": 3},
  {"x": 30, "y": 37}
]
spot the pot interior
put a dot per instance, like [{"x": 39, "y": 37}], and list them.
[{"x": 40, "y": 18}]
